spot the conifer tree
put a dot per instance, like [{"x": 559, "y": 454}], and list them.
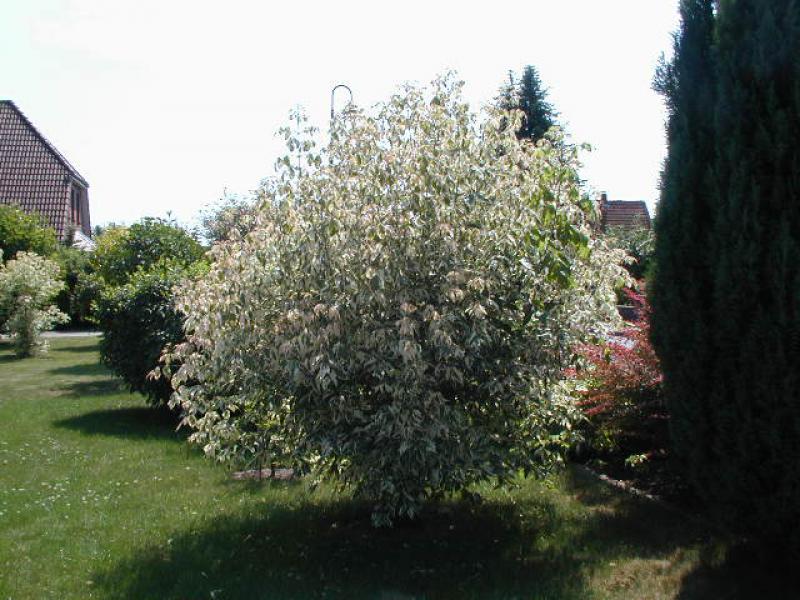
[
  {"x": 539, "y": 113},
  {"x": 529, "y": 95},
  {"x": 681, "y": 287},
  {"x": 726, "y": 296},
  {"x": 753, "y": 474}
]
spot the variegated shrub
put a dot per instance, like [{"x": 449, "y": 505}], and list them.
[
  {"x": 402, "y": 313},
  {"x": 28, "y": 286}
]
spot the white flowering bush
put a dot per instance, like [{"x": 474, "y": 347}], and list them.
[
  {"x": 28, "y": 286},
  {"x": 402, "y": 313}
]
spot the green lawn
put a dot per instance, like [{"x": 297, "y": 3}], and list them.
[{"x": 100, "y": 498}]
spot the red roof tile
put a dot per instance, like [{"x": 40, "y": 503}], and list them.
[
  {"x": 625, "y": 213},
  {"x": 34, "y": 175}
]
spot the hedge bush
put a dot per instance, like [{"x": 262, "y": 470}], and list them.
[
  {"x": 138, "y": 320},
  {"x": 22, "y": 232}
]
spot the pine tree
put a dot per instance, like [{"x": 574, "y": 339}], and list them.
[
  {"x": 539, "y": 113},
  {"x": 507, "y": 97},
  {"x": 528, "y": 95},
  {"x": 681, "y": 288},
  {"x": 753, "y": 471}
]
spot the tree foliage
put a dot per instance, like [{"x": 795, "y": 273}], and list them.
[
  {"x": 21, "y": 232},
  {"x": 752, "y": 471},
  {"x": 232, "y": 216},
  {"x": 28, "y": 284},
  {"x": 121, "y": 251},
  {"x": 401, "y": 316},
  {"x": 639, "y": 244}
]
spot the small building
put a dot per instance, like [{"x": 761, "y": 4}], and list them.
[
  {"x": 629, "y": 214},
  {"x": 37, "y": 178}
]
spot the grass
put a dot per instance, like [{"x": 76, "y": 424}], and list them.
[{"x": 101, "y": 498}]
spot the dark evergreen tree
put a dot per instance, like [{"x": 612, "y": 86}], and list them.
[
  {"x": 681, "y": 292},
  {"x": 726, "y": 295},
  {"x": 753, "y": 472},
  {"x": 539, "y": 113},
  {"x": 528, "y": 95}
]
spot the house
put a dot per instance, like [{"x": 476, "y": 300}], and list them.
[
  {"x": 37, "y": 178},
  {"x": 629, "y": 214}
]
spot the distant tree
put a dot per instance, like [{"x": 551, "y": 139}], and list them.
[
  {"x": 529, "y": 95},
  {"x": 20, "y": 231},
  {"x": 638, "y": 243},
  {"x": 507, "y": 97},
  {"x": 231, "y": 216},
  {"x": 539, "y": 113}
]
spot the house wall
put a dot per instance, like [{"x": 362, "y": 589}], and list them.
[{"x": 80, "y": 219}]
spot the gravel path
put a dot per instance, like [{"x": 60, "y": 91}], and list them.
[
  {"x": 69, "y": 334},
  {"x": 62, "y": 334}
]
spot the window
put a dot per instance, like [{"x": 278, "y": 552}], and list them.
[{"x": 75, "y": 208}]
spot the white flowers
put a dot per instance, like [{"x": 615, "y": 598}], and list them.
[{"x": 28, "y": 284}]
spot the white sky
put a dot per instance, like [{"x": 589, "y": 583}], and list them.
[{"x": 163, "y": 104}]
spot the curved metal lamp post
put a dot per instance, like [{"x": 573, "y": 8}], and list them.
[{"x": 333, "y": 92}]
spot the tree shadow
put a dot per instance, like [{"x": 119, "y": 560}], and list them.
[
  {"x": 8, "y": 358},
  {"x": 728, "y": 569},
  {"x": 94, "y": 387},
  {"x": 77, "y": 349},
  {"x": 332, "y": 551},
  {"x": 531, "y": 548},
  {"x": 81, "y": 370},
  {"x": 637, "y": 527},
  {"x": 139, "y": 422},
  {"x": 739, "y": 572}
]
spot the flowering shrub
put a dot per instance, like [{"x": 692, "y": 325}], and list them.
[
  {"x": 28, "y": 283},
  {"x": 402, "y": 312},
  {"x": 622, "y": 393}
]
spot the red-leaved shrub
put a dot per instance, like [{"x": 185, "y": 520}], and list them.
[{"x": 621, "y": 392}]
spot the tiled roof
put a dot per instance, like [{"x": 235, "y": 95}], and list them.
[
  {"x": 33, "y": 174},
  {"x": 625, "y": 213}
]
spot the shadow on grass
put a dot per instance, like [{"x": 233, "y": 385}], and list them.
[
  {"x": 96, "y": 387},
  {"x": 739, "y": 573},
  {"x": 529, "y": 548},
  {"x": 139, "y": 422},
  {"x": 76, "y": 349},
  {"x": 81, "y": 370},
  {"x": 726, "y": 570},
  {"x": 313, "y": 551}
]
